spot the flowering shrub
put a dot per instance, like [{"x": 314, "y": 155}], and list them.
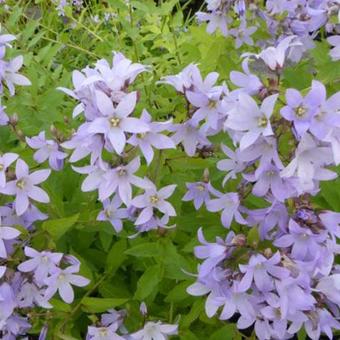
[{"x": 169, "y": 174}]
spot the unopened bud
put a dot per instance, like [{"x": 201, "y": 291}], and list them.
[
  {"x": 13, "y": 120},
  {"x": 239, "y": 240},
  {"x": 268, "y": 253},
  {"x": 20, "y": 134},
  {"x": 53, "y": 130},
  {"x": 206, "y": 175},
  {"x": 143, "y": 309}
]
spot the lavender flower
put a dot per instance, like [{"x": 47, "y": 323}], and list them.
[
  {"x": 154, "y": 199},
  {"x": 61, "y": 281},
  {"x": 113, "y": 213},
  {"x": 116, "y": 121},
  {"x": 24, "y": 187},
  {"x": 154, "y": 331},
  {"x": 47, "y": 149},
  {"x": 229, "y": 204}
]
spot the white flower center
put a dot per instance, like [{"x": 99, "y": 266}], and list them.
[
  {"x": 154, "y": 199},
  {"x": 21, "y": 184},
  {"x": 114, "y": 121}
]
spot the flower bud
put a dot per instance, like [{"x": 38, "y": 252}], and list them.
[{"x": 239, "y": 240}]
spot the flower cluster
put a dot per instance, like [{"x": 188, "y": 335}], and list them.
[
  {"x": 281, "y": 18},
  {"x": 28, "y": 278},
  {"x": 112, "y": 137},
  {"x": 33, "y": 282},
  {"x": 112, "y": 323},
  {"x": 9, "y": 75},
  {"x": 288, "y": 278},
  {"x": 61, "y": 4}
]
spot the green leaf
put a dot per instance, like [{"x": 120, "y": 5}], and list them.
[
  {"x": 225, "y": 333},
  {"x": 57, "y": 228},
  {"x": 99, "y": 305},
  {"x": 195, "y": 311},
  {"x": 149, "y": 249},
  {"x": 116, "y": 256},
  {"x": 148, "y": 282}
]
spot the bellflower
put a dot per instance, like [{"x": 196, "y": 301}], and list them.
[
  {"x": 24, "y": 187},
  {"x": 233, "y": 165},
  {"x": 229, "y": 204},
  {"x": 243, "y": 34},
  {"x": 190, "y": 135},
  {"x": 334, "y": 41},
  {"x": 103, "y": 333},
  {"x": 154, "y": 199},
  {"x": 305, "y": 244},
  {"x": 262, "y": 271},
  {"x": 154, "y": 331},
  {"x": 47, "y": 149},
  {"x": 6, "y": 233},
  {"x": 11, "y": 75},
  {"x": 120, "y": 180},
  {"x": 198, "y": 192},
  {"x": 61, "y": 281},
  {"x": 113, "y": 213},
  {"x": 275, "y": 57},
  {"x": 308, "y": 164},
  {"x": 151, "y": 139},
  {"x": 252, "y": 120},
  {"x": 41, "y": 263},
  {"x": 5, "y": 161},
  {"x": 300, "y": 110},
  {"x": 116, "y": 121}
]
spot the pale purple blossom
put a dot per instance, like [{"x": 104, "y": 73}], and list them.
[
  {"x": 116, "y": 121},
  {"x": 61, "y": 281},
  {"x": 113, "y": 213},
  {"x": 25, "y": 187},
  {"x": 229, "y": 204},
  {"x": 47, "y": 149},
  {"x": 153, "y": 138},
  {"x": 154, "y": 199},
  {"x": 155, "y": 331}
]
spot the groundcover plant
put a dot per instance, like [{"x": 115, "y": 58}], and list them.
[{"x": 169, "y": 169}]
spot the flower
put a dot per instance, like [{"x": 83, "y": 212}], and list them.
[
  {"x": 153, "y": 199},
  {"x": 334, "y": 41},
  {"x": 199, "y": 192},
  {"x": 24, "y": 187},
  {"x": 5, "y": 161},
  {"x": 10, "y": 75},
  {"x": 154, "y": 331},
  {"x": 305, "y": 244},
  {"x": 308, "y": 164},
  {"x": 151, "y": 139},
  {"x": 116, "y": 121},
  {"x": 300, "y": 110},
  {"x": 120, "y": 180},
  {"x": 113, "y": 213},
  {"x": 262, "y": 271},
  {"x": 252, "y": 120},
  {"x": 47, "y": 149},
  {"x": 6, "y": 233},
  {"x": 61, "y": 281},
  {"x": 103, "y": 333},
  {"x": 229, "y": 204},
  {"x": 233, "y": 165},
  {"x": 41, "y": 263}
]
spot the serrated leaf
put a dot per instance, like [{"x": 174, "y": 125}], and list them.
[
  {"x": 57, "y": 228},
  {"x": 148, "y": 282},
  {"x": 99, "y": 305},
  {"x": 116, "y": 256},
  {"x": 149, "y": 249}
]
